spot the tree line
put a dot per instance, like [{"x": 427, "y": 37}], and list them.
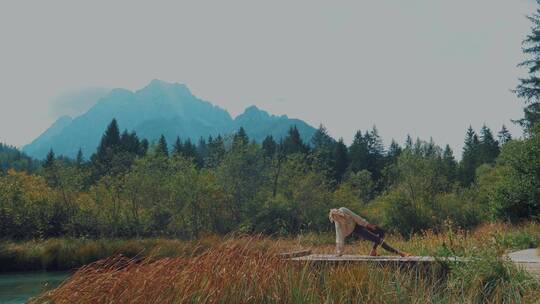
[{"x": 131, "y": 188}]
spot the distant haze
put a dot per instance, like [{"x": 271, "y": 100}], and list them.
[
  {"x": 76, "y": 102},
  {"x": 423, "y": 67}
]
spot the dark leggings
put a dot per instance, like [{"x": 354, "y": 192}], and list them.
[{"x": 377, "y": 237}]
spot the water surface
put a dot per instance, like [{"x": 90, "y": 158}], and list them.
[{"x": 18, "y": 287}]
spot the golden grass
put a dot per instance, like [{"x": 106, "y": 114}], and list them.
[{"x": 246, "y": 270}]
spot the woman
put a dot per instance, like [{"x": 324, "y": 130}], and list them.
[{"x": 348, "y": 222}]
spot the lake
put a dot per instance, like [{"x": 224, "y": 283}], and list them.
[{"x": 17, "y": 288}]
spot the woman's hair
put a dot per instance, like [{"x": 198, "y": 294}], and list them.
[{"x": 336, "y": 215}]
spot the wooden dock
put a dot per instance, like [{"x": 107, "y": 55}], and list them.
[
  {"x": 528, "y": 260},
  {"x": 381, "y": 260}
]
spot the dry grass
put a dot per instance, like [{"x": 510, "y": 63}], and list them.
[{"x": 246, "y": 270}]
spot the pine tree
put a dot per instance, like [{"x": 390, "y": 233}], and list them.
[
  {"x": 470, "y": 157},
  {"x": 341, "y": 160},
  {"x": 216, "y": 152},
  {"x": 144, "y": 147},
  {"x": 269, "y": 146},
  {"x": 129, "y": 143},
  {"x": 202, "y": 152},
  {"x": 393, "y": 152},
  {"x": 504, "y": 135},
  {"x": 124, "y": 140},
  {"x": 321, "y": 139},
  {"x": 190, "y": 150},
  {"x": 49, "y": 160},
  {"x": 408, "y": 142},
  {"x": 430, "y": 148},
  {"x": 529, "y": 88},
  {"x": 489, "y": 147},
  {"x": 178, "y": 147},
  {"x": 358, "y": 152},
  {"x": 110, "y": 141},
  {"x": 79, "y": 160},
  {"x": 240, "y": 138},
  {"x": 293, "y": 143},
  {"x": 449, "y": 164},
  {"x": 161, "y": 148},
  {"x": 50, "y": 170}
]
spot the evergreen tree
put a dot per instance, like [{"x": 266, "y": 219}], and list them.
[
  {"x": 108, "y": 146},
  {"x": 79, "y": 160},
  {"x": 202, "y": 152},
  {"x": 161, "y": 148},
  {"x": 408, "y": 142},
  {"x": 50, "y": 169},
  {"x": 341, "y": 160},
  {"x": 529, "y": 88},
  {"x": 367, "y": 153},
  {"x": 144, "y": 147},
  {"x": 190, "y": 150},
  {"x": 358, "y": 152},
  {"x": 449, "y": 164},
  {"x": 470, "y": 157},
  {"x": 49, "y": 160},
  {"x": 178, "y": 148},
  {"x": 216, "y": 152},
  {"x": 323, "y": 157},
  {"x": 240, "y": 138},
  {"x": 321, "y": 139},
  {"x": 110, "y": 141},
  {"x": 129, "y": 143},
  {"x": 504, "y": 135},
  {"x": 393, "y": 152},
  {"x": 293, "y": 143},
  {"x": 269, "y": 146},
  {"x": 489, "y": 147},
  {"x": 430, "y": 148}
]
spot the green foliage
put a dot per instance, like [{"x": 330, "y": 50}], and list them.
[
  {"x": 422, "y": 196},
  {"x": 161, "y": 149},
  {"x": 12, "y": 158},
  {"x": 224, "y": 185},
  {"x": 529, "y": 87},
  {"x": 361, "y": 184},
  {"x": 293, "y": 143},
  {"x": 517, "y": 195},
  {"x": 470, "y": 157}
]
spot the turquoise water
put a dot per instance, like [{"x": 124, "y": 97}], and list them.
[{"x": 17, "y": 288}]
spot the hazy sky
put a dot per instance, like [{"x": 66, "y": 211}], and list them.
[{"x": 424, "y": 67}]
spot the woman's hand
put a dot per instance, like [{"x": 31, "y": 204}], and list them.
[{"x": 371, "y": 227}]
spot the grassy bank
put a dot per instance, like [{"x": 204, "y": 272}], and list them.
[
  {"x": 69, "y": 254},
  {"x": 246, "y": 270}
]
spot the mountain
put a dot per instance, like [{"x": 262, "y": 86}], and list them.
[
  {"x": 258, "y": 124},
  {"x": 159, "y": 108}
]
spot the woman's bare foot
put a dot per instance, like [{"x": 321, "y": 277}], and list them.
[
  {"x": 373, "y": 252},
  {"x": 405, "y": 254}
]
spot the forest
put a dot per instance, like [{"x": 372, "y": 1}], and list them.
[{"x": 130, "y": 188}]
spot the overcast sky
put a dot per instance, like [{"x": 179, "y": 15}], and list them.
[{"x": 424, "y": 67}]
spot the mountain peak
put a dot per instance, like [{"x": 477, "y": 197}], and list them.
[
  {"x": 254, "y": 110},
  {"x": 160, "y": 84},
  {"x": 158, "y": 108},
  {"x": 158, "y": 87}
]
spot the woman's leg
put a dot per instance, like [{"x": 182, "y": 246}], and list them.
[{"x": 377, "y": 240}]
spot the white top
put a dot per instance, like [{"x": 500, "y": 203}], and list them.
[{"x": 345, "y": 220}]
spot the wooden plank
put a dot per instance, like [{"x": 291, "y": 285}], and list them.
[
  {"x": 294, "y": 254},
  {"x": 528, "y": 259},
  {"x": 327, "y": 258}
]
